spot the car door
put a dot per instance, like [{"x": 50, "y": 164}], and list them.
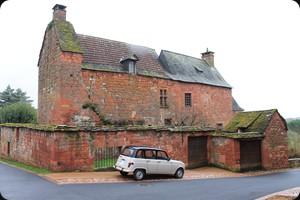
[
  {"x": 140, "y": 162},
  {"x": 150, "y": 157},
  {"x": 164, "y": 165}
]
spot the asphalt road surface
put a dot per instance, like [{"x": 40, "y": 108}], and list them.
[{"x": 16, "y": 184}]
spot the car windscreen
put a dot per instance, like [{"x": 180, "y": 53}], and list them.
[{"x": 127, "y": 151}]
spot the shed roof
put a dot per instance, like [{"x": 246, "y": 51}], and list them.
[
  {"x": 255, "y": 121},
  {"x": 190, "y": 69}
]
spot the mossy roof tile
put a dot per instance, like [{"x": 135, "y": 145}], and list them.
[
  {"x": 67, "y": 36},
  {"x": 256, "y": 121}
]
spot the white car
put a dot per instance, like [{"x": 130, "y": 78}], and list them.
[{"x": 141, "y": 160}]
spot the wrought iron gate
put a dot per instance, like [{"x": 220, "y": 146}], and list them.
[{"x": 106, "y": 157}]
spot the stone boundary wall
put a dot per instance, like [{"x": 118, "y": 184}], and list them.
[
  {"x": 294, "y": 162},
  {"x": 73, "y": 150}
]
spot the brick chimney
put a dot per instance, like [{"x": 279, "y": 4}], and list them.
[
  {"x": 59, "y": 12},
  {"x": 209, "y": 57}
]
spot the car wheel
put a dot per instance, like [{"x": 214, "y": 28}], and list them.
[
  {"x": 179, "y": 173},
  {"x": 123, "y": 173},
  {"x": 139, "y": 174}
]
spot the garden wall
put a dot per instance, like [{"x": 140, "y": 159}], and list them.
[{"x": 60, "y": 149}]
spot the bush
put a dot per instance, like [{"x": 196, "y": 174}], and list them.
[
  {"x": 294, "y": 144},
  {"x": 18, "y": 113}
]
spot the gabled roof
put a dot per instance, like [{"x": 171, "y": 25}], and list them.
[
  {"x": 105, "y": 54},
  {"x": 256, "y": 121},
  {"x": 189, "y": 69},
  {"x": 66, "y": 35}
]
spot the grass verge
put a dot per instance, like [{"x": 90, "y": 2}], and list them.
[{"x": 26, "y": 167}]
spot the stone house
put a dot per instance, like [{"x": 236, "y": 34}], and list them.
[
  {"x": 125, "y": 82},
  {"x": 97, "y": 95}
]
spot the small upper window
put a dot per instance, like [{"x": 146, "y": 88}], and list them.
[
  {"x": 129, "y": 63},
  {"x": 163, "y": 99},
  {"x": 131, "y": 67},
  {"x": 188, "y": 100}
]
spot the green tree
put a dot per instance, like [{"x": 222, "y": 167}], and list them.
[
  {"x": 294, "y": 125},
  {"x": 20, "y": 112},
  {"x": 11, "y": 96}
]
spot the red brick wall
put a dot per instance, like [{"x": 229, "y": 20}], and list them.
[
  {"x": 125, "y": 96},
  {"x": 225, "y": 153},
  {"x": 275, "y": 144},
  {"x": 70, "y": 151},
  {"x": 49, "y": 77}
]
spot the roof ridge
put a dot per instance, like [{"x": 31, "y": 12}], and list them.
[
  {"x": 182, "y": 54},
  {"x": 256, "y": 111}
]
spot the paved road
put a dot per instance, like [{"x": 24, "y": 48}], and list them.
[{"x": 16, "y": 184}]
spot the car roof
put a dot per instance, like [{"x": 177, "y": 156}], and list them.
[{"x": 144, "y": 147}]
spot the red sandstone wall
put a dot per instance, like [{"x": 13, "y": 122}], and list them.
[
  {"x": 70, "y": 151},
  {"x": 225, "y": 153},
  {"x": 125, "y": 96},
  {"x": 275, "y": 145},
  {"x": 27, "y": 146},
  {"x": 49, "y": 78}
]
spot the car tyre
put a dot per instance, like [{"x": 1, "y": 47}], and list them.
[
  {"x": 123, "y": 173},
  {"x": 179, "y": 173},
  {"x": 139, "y": 174}
]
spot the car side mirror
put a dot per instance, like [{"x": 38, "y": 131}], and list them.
[{"x": 168, "y": 159}]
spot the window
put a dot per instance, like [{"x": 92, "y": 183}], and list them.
[
  {"x": 140, "y": 154},
  {"x": 131, "y": 67},
  {"x": 150, "y": 154},
  {"x": 219, "y": 126},
  {"x": 162, "y": 155},
  {"x": 127, "y": 152},
  {"x": 163, "y": 99},
  {"x": 188, "y": 99},
  {"x": 168, "y": 122}
]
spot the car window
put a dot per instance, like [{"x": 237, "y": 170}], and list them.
[
  {"x": 162, "y": 155},
  {"x": 127, "y": 152},
  {"x": 150, "y": 154},
  {"x": 140, "y": 154}
]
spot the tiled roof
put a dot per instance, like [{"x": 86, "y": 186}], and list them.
[
  {"x": 255, "y": 121},
  {"x": 105, "y": 54},
  {"x": 189, "y": 69}
]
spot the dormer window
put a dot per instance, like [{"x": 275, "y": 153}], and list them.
[
  {"x": 131, "y": 67},
  {"x": 129, "y": 63}
]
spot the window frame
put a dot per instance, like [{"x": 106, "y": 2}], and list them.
[
  {"x": 131, "y": 67},
  {"x": 163, "y": 98},
  {"x": 188, "y": 99}
]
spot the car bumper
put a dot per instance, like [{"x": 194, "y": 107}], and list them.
[{"x": 122, "y": 169}]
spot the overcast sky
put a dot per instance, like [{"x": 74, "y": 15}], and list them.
[{"x": 256, "y": 43}]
